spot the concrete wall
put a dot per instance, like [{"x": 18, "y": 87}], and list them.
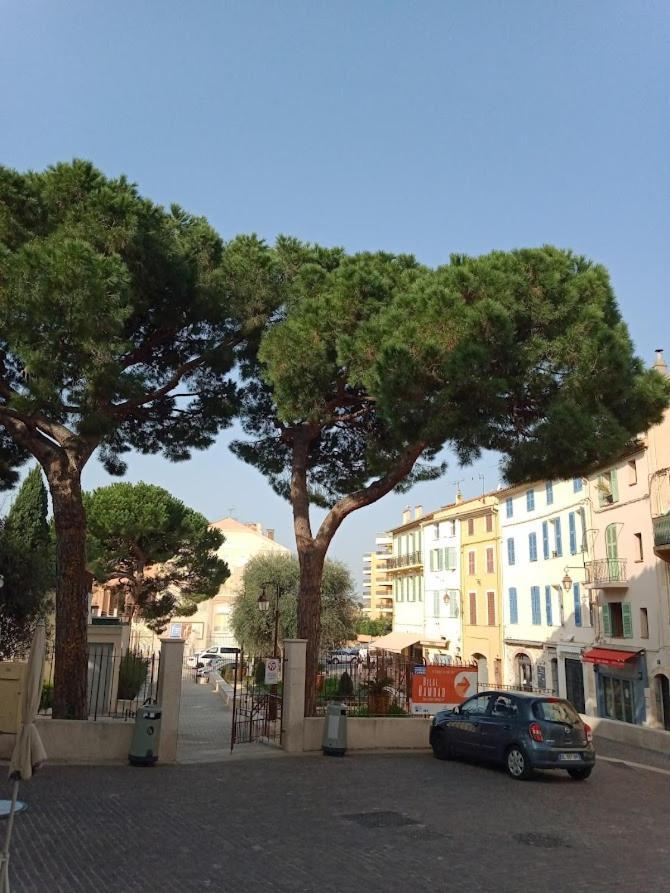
[
  {"x": 627, "y": 733},
  {"x": 373, "y": 733},
  {"x": 79, "y": 742}
]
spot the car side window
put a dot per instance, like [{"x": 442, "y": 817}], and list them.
[
  {"x": 504, "y": 706},
  {"x": 476, "y": 706}
]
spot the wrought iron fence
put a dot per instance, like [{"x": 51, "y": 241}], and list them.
[
  {"x": 408, "y": 560},
  {"x": 379, "y": 685},
  {"x": 257, "y": 706},
  {"x": 606, "y": 570},
  {"x": 118, "y": 682},
  {"x": 488, "y": 686}
]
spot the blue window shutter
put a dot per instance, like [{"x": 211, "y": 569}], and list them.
[
  {"x": 545, "y": 539},
  {"x": 573, "y": 533},
  {"x": 530, "y": 500},
  {"x": 532, "y": 546},
  {"x": 578, "y": 605},
  {"x": 577, "y": 485},
  {"x": 513, "y": 606},
  {"x": 509, "y": 507},
  {"x": 535, "y": 605},
  {"x": 510, "y": 551},
  {"x": 547, "y": 603},
  {"x": 583, "y": 546},
  {"x": 549, "y": 487},
  {"x": 559, "y": 540}
]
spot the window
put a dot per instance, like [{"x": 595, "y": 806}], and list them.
[
  {"x": 473, "y": 608},
  {"x": 471, "y": 526},
  {"x": 549, "y": 488},
  {"x": 572, "y": 528},
  {"x": 509, "y": 507},
  {"x": 450, "y": 558},
  {"x": 547, "y": 605},
  {"x": 436, "y": 603},
  {"x": 608, "y": 489},
  {"x": 489, "y": 523},
  {"x": 535, "y": 605},
  {"x": 397, "y": 590},
  {"x": 618, "y": 620},
  {"x": 644, "y": 624},
  {"x": 436, "y": 531},
  {"x": 510, "y": 551},
  {"x": 578, "y": 604},
  {"x": 582, "y": 517},
  {"x": 504, "y": 706},
  {"x": 530, "y": 500},
  {"x": 471, "y": 563},
  {"x": 476, "y": 706},
  {"x": 419, "y": 588},
  {"x": 532, "y": 546},
  {"x": 439, "y": 559},
  {"x": 513, "y": 606},
  {"x": 639, "y": 554},
  {"x": 618, "y": 695},
  {"x": 451, "y": 599},
  {"x": 545, "y": 539},
  {"x": 489, "y": 560},
  {"x": 632, "y": 472},
  {"x": 524, "y": 672},
  {"x": 577, "y": 485},
  {"x": 557, "y": 538},
  {"x": 491, "y": 603},
  {"x": 556, "y": 711}
]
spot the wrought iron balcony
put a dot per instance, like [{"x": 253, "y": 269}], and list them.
[
  {"x": 607, "y": 573},
  {"x": 662, "y": 536},
  {"x": 400, "y": 561}
]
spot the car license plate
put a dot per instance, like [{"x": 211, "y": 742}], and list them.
[{"x": 570, "y": 757}]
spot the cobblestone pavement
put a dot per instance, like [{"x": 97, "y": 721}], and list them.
[
  {"x": 205, "y": 725},
  {"x": 366, "y": 822}
]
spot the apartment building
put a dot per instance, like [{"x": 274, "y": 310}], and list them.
[{"x": 377, "y": 585}]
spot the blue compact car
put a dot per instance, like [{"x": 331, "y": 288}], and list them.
[{"x": 519, "y": 730}]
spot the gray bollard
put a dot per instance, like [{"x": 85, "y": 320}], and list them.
[{"x": 335, "y": 731}]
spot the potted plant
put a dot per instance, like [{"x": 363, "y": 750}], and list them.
[{"x": 379, "y": 698}]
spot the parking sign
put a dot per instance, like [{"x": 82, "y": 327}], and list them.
[{"x": 271, "y": 670}]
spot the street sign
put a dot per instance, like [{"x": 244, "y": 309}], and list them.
[{"x": 272, "y": 665}]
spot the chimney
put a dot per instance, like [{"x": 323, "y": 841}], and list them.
[
  {"x": 659, "y": 363},
  {"x": 418, "y": 512},
  {"x": 270, "y": 534},
  {"x": 406, "y": 515}
]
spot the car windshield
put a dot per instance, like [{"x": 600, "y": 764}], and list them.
[{"x": 556, "y": 711}]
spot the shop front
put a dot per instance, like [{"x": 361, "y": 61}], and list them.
[{"x": 621, "y": 679}]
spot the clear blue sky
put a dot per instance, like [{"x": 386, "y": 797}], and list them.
[{"x": 424, "y": 127}]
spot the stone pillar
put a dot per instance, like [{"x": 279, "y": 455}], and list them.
[
  {"x": 169, "y": 697},
  {"x": 293, "y": 706}
]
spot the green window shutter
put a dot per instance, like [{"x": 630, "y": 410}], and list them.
[
  {"x": 451, "y": 558},
  {"x": 614, "y": 485},
  {"x": 627, "y": 620},
  {"x": 432, "y": 559},
  {"x": 607, "y": 621}
]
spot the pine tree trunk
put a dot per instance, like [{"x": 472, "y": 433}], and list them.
[
  {"x": 309, "y": 616},
  {"x": 70, "y": 680}
]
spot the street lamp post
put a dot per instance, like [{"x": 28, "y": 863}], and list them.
[{"x": 264, "y": 605}]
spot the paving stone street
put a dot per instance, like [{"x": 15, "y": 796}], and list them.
[{"x": 372, "y": 822}]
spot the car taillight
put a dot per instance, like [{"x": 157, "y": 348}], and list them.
[
  {"x": 535, "y": 732},
  {"x": 589, "y": 733}
]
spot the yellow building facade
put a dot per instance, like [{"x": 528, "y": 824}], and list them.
[{"x": 481, "y": 587}]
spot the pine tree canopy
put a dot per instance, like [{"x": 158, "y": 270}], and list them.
[
  {"x": 377, "y": 357},
  {"x": 157, "y": 551}
]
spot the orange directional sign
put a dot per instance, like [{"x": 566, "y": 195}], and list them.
[{"x": 437, "y": 687}]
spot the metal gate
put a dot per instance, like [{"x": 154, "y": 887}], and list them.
[{"x": 257, "y": 707}]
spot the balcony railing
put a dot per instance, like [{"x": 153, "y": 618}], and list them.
[
  {"x": 404, "y": 560},
  {"x": 607, "y": 572},
  {"x": 662, "y": 532}
]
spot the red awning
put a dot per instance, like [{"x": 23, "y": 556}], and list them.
[{"x": 609, "y": 656}]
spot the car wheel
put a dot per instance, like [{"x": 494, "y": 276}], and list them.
[
  {"x": 441, "y": 748},
  {"x": 580, "y": 774},
  {"x": 335, "y": 660},
  {"x": 516, "y": 763}
]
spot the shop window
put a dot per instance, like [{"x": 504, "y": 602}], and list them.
[{"x": 618, "y": 698}]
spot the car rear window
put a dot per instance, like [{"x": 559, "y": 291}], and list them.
[{"x": 556, "y": 711}]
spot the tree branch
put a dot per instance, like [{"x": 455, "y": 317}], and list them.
[{"x": 367, "y": 495}]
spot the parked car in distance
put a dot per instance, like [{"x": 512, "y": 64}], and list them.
[
  {"x": 203, "y": 658},
  {"x": 520, "y": 730},
  {"x": 343, "y": 656}
]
